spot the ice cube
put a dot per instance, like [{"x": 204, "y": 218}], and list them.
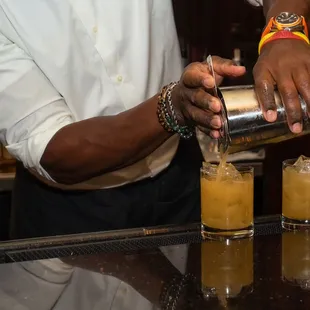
[
  {"x": 231, "y": 173},
  {"x": 291, "y": 169},
  {"x": 300, "y": 160},
  {"x": 302, "y": 164},
  {"x": 205, "y": 164},
  {"x": 231, "y": 170},
  {"x": 247, "y": 176},
  {"x": 226, "y": 172}
]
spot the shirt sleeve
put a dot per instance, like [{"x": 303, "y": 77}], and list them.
[
  {"x": 256, "y": 2},
  {"x": 31, "y": 109}
]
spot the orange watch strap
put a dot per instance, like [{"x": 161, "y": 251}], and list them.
[
  {"x": 268, "y": 27},
  {"x": 264, "y": 39},
  {"x": 283, "y": 34},
  {"x": 305, "y": 27},
  {"x": 302, "y": 36}
]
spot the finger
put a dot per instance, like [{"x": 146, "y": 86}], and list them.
[
  {"x": 302, "y": 82},
  {"x": 203, "y": 118},
  {"x": 195, "y": 74},
  {"x": 264, "y": 88},
  {"x": 226, "y": 67},
  {"x": 215, "y": 134},
  {"x": 199, "y": 75},
  {"x": 203, "y": 100},
  {"x": 290, "y": 99}
]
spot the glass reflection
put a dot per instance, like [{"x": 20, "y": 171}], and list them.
[
  {"x": 296, "y": 258},
  {"x": 227, "y": 269}
]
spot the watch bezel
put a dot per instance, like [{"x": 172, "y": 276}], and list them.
[{"x": 288, "y": 19}]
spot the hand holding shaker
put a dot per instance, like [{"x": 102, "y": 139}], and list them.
[{"x": 244, "y": 124}]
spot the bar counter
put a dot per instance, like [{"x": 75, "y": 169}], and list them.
[{"x": 168, "y": 267}]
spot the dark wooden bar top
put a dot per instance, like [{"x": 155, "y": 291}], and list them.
[{"x": 168, "y": 267}]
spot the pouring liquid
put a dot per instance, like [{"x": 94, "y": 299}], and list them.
[{"x": 222, "y": 164}]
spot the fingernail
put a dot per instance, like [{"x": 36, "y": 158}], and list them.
[
  {"x": 208, "y": 82},
  {"x": 214, "y": 134},
  {"x": 216, "y": 122},
  {"x": 296, "y": 128},
  {"x": 271, "y": 116},
  {"x": 215, "y": 106}
]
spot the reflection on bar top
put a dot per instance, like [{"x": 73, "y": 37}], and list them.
[{"x": 159, "y": 276}]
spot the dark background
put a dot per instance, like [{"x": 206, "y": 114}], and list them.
[{"x": 217, "y": 28}]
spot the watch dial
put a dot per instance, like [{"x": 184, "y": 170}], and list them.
[{"x": 287, "y": 18}]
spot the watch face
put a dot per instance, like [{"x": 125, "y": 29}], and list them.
[{"x": 288, "y": 19}]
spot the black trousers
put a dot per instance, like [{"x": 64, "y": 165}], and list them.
[{"x": 172, "y": 197}]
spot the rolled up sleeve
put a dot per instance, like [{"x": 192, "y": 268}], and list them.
[
  {"x": 256, "y": 2},
  {"x": 31, "y": 109}
]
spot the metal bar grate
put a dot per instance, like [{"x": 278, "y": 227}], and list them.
[{"x": 126, "y": 245}]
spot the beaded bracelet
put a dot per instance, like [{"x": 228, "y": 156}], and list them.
[{"x": 166, "y": 113}]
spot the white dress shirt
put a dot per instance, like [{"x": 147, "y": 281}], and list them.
[{"x": 69, "y": 60}]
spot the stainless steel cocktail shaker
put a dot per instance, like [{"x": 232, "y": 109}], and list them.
[{"x": 244, "y": 124}]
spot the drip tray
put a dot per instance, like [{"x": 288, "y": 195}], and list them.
[{"x": 263, "y": 226}]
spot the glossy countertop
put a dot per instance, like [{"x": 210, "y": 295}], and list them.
[{"x": 160, "y": 268}]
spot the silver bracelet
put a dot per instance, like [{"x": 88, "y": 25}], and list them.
[{"x": 185, "y": 132}]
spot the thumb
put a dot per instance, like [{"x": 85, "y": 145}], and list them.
[{"x": 226, "y": 67}]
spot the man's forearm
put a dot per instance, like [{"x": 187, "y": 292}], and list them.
[
  {"x": 274, "y": 7},
  {"x": 91, "y": 147}
]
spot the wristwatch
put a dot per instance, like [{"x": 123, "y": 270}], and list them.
[{"x": 287, "y": 21}]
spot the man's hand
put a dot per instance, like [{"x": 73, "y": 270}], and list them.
[
  {"x": 192, "y": 98},
  {"x": 286, "y": 64}
]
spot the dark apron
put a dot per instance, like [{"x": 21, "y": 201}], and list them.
[{"x": 172, "y": 197}]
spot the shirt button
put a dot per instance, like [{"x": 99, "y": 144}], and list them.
[
  {"x": 95, "y": 29},
  {"x": 119, "y": 78}
]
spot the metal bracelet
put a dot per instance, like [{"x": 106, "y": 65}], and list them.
[
  {"x": 185, "y": 132},
  {"x": 167, "y": 116}
]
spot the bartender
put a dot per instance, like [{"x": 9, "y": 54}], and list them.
[{"x": 97, "y": 110}]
